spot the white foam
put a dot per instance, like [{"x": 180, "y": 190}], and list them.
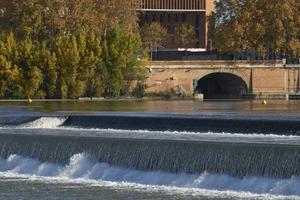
[
  {"x": 54, "y": 126},
  {"x": 185, "y": 135},
  {"x": 179, "y": 133},
  {"x": 45, "y": 122},
  {"x": 57, "y": 124},
  {"x": 84, "y": 169}
]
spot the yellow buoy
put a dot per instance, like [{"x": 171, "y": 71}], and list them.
[
  {"x": 264, "y": 102},
  {"x": 29, "y": 100}
]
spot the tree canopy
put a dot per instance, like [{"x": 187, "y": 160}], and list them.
[
  {"x": 44, "y": 18},
  {"x": 185, "y": 36},
  {"x": 69, "y": 48},
  {"x": 260, "y": 27},
  {"x": 154, "y": 35}
]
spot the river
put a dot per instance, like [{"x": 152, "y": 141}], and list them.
[{"x": 150, "y": 150}]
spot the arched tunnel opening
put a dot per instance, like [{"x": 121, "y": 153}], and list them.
[{"x": 222, "y": 86}]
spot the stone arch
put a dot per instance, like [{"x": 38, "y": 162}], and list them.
[{"x": 222, "y": 85}]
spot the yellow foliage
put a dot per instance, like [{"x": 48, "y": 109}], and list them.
[{"x": 262, "y": 27}]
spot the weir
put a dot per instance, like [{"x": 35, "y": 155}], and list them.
[
  {"x": 15, "y": 120},
  {"x": 239, "y": 160},
  {"x": 160, "y": 122},
  {"x": 182, "y": 123}
]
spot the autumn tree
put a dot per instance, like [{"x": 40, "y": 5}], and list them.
[
  {"x": 118, "y": 14},
  {"x": 154, "y": 35},
  {"x": 69, "y": 48},
  {"x": 9, "y": 75},
  {"x": 43, "y": 18},
  {"x": 185, "y": 36},
  {"x": 259, "y": 27}
]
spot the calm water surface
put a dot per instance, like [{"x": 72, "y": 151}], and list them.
[{"x": 187, "y": 106}]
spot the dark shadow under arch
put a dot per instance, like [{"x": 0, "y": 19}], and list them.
[{"x": 222, "y": 86}]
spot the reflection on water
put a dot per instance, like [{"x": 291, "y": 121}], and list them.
[{"x": 187, "y": 106}]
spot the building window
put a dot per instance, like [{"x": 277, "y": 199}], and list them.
[
  {"x": 197, "y": 21},
  {"x": 161, "y": 18},
  {"x": 153, "y": 18},
  {"x": 169, "y": 18},
  {"x": 176, "y": 18},
  {"x": 197, "y": 32},
  {"x": 183, "y": 17}
]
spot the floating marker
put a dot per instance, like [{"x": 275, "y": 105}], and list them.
[{"x": 264, "y": 102}]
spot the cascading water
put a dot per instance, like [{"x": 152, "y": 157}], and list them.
[
  {"x": 157, "y": 151},
  {"x": 183, "y": 123},
  {"x": 174, "y": 156},
  {"x": 187, "y": 123},
  {"x": 45, "y": 122},
  {"x": 84, "y": 166}
]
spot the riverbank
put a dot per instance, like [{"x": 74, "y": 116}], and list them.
[
  {"x": 246, "y": 97},
  {"x": 169, "y": 106}
]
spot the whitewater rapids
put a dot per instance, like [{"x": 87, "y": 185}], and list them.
[{"x": 83, "y": 169}]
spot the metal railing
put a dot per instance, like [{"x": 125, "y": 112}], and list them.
[
  {"x": 186, "y": 55},
  {"x": 171, "y": 5}
]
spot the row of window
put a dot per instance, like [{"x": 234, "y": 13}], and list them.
[
  {"x": 172, "y": 4},
  {"x": 170, "y": 18},
  {"x": 176, "y": 18}
]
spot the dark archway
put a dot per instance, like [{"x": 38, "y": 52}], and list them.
[{"x": 222, "y": 86}]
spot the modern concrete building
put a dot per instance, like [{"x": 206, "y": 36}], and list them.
[{"x": 173, "y": 13}]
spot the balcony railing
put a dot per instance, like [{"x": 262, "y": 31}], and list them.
[{"x": 171, "y": 5}]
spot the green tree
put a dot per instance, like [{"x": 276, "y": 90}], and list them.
[
  {"x": 31, "y": 75},
  {"x": 69, "y": 48},
  {"x": 122, "y": 62},
  {"x": 95, "y": 69},
  {"x": 113, "y": 61},
  {"x": 135, "y": 65},
  {"x": 89, "y": 70},
  {"x": 48, "y": 65},
  {"x": 68, "y": 58}
]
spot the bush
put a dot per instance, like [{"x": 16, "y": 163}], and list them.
[{"x": 139, "y": 90}]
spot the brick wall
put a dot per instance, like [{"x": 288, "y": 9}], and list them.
[{"x": 264, "y": 77}]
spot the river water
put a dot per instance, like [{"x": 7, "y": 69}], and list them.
[
  {"x": 150, "y": 150},
  {"x": 185, "y": 106}
]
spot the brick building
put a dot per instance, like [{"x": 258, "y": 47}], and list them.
[{"x": 172, "y": 13}]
